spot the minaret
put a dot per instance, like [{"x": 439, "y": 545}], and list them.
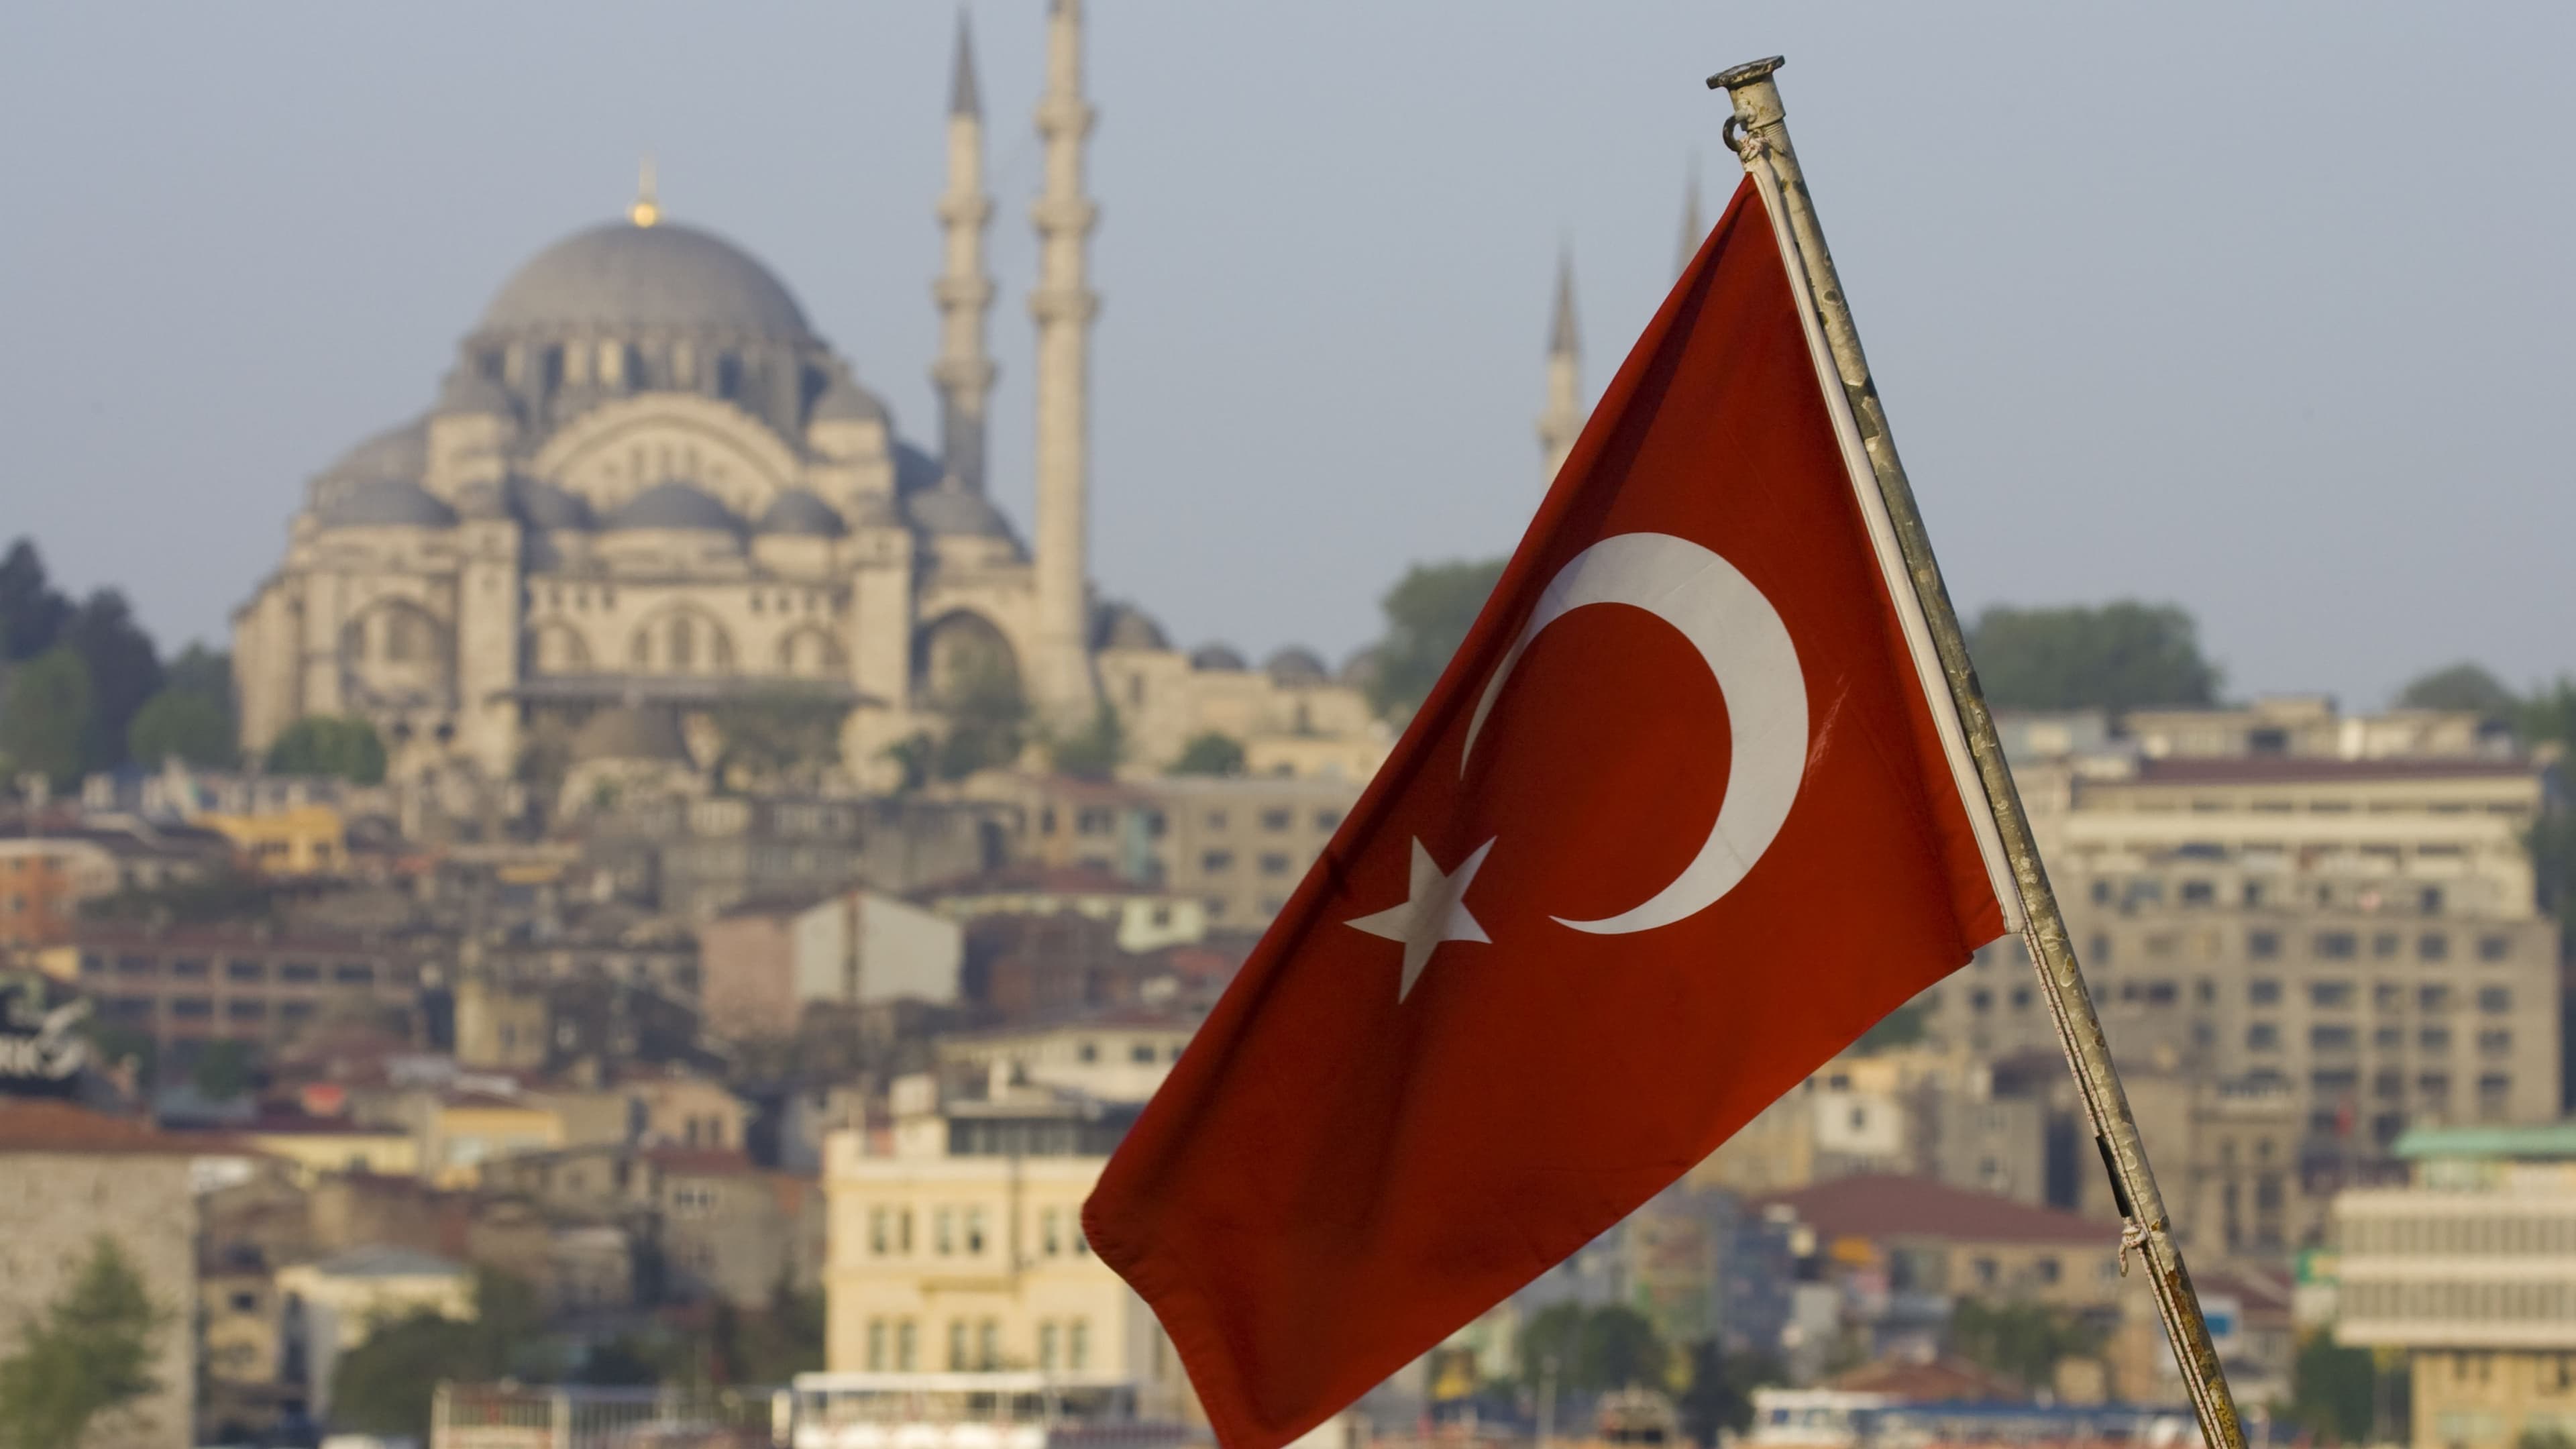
[
  {"x": 1563, "y": 416},
  {"x": 1694, "y": 229},
  {"x": 1060, "y": 674},
  {"x": 964, "y": 371}
]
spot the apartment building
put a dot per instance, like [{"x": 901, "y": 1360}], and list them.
[
  {"x": 2470, "y": 1270},
  {"x": 241, "y": 983},
  {"x": 954, "y": 1243}
]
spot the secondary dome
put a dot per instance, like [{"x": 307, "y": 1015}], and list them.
[
  {"x": 623, "y": 277},
  {"x": 384, "y": 503},
  {"x": 672, "y": 504},
  {"x": 796, "y": 511}
]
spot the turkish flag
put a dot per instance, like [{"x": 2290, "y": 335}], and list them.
[{"x": 1677, "y": 824}]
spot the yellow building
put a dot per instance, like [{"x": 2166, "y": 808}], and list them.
[
  {"x": 301, "y": 840},
  {"x": 959, "y": 1247},
  {"x": 321, "y": 1146},
  {"x": 461, "y": 1132},
  {"x": 338, "y": 1301}
]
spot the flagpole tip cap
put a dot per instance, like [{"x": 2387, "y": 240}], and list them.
[{"x": 1747, "y": 73}]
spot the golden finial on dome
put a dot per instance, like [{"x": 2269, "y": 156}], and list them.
[{"x": 646, "y": 210}]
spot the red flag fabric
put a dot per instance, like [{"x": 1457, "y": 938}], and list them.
[{"x": 1676, "y": 825}]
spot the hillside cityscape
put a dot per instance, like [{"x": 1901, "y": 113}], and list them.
[{"x": 645, "y": 923}]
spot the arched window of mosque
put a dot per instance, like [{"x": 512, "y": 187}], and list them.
[
  {"x": 639, "y": 650},
  {"x": 550, "y": 371},
  {"x": 402, "y": 636},
  {"x": 684, "y": 644},
  {"x": 728, "y": 375},
  {"x": 357, "y": 641}
]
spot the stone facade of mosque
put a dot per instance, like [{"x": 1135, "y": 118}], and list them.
[{"x": 648, "y": 485}]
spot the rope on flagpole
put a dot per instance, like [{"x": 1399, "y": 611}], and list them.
[{"x": 1757, "y": 132}]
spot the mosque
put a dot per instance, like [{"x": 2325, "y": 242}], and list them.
[{"x": 646, "y": 488}]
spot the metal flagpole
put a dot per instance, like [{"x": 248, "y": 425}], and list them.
[{"x": 1759, "y": 135}]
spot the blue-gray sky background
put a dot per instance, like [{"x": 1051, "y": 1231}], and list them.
[{"x": 2262, "y": 309}]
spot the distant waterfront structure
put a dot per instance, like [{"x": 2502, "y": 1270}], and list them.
[{"x": 647, "y": 483}]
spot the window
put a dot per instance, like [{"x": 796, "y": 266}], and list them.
[
  {"x": 2263, "y": 1036},
  {"x": 880, "y": 1240},
  {"x": 189, "y": 968},
  {"x": 239, "y": 1010},
  {"x": 1327, "y": 819},
  {"x": 354, "y": 973},
  {"x": 1274, "y": 819},
  {"x": 1046, "y": 1344},
  {"x": 2336, "y": 945},
  {"x": 2495, "y": 1041},
  {"x": 2332, "y": 1038},
  {"x": 2384, "y": 945},
  {"x": 957, "y": 1345},
  {"x": 133, "y": 965},
  {"x": 2495, "y": 998},
  {"x": 1050, "y": 1232},
  {"x": 238, "y": 970},
  {"x": 907, "y": 1345},
  {"x": 2433, "y": 998},
  {"x": 2048, "y": 1270},
  {"x": 2495, "y": 948},
  {"x": 1274, "y": 864},
  {"x": 2388, "y": 1038},
  {"x": 2330, "y": 993},
  {"x": 93, "y": 964},
  {"x": 2433, "y": 946},
  {"x": 1094, "y": 821},
  {"x": 299, "y": 973},
  {"x": 2263, "y": 945},
  {"x": 2387, "y": 996},
  {"x": 974, "y": 1231},
  {"x": 1986, "y": 1272},
  {"x": 1217, "y": 862},
  {"x": 1216, "y": 820},
  {"x": 1089, "y": 1051},
  {"x": 1141, "y": 1053},
  {"x": 903, "y": 1233},
  {"x": 876, "y": 1343},
  {"x": 1077, "y": 1345},
  {"x": 2199, "y": 893},
  {"x": 2434, "y": 1039},
  {"x": 988, "y": 1344},
  {"x": 2263, "y": 991},
  {"x": 943, "y": 1231}
]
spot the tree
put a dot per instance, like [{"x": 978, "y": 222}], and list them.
[
  {"x": 1594, "y": 1349},
  {"x": 200, "y": 670},
  {"x": 2025, "y": 1340},
  {"x": 2332, "y": 1389},
  {"x": 224, "y": 1070},
  {"x": 45, "y": 716},
  {"x": 324, "y": 744},
  {"x": 124, "y": 671},
  {"x": 781, "y": 730},
  {"x": 1093, "y": 751},
  {"x": 384, "y": 1385},
  {"x": 1210, "y": 753},
  {"x": 2460, "y": 686},
  {"x": 185, "y": 725},
  {"x": 1899, "y": 1028},
  {"x": 2120, "y": 656},
  {"x": 1720, "y": 1395},
  {"x": 32, "y": 611},
  {"x": 90, "y": 1354},
  {"x": 987, "y": 718},
  {"x": 1428, "y": 613}
]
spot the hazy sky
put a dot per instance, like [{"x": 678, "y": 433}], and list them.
[{"x": 2262, "y": 309}]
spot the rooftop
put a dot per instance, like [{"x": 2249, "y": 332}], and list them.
[
  {"x": 38, "y": 1125},
  {"x": 1884, "y": 1205},
  {"x": 2547, "y": 1140},
  {"x": 2300, "y": 770}
]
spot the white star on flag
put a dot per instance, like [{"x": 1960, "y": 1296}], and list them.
[{"x": 1435, "y": 910}]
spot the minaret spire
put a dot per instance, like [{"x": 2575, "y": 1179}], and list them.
[
  {"x": 1562, "y": 419},
  {"x": 964, "y": 292},
  {"x": 1694, "y": 227},
  {"x": 1063, "y": 305},
  {"x": 647, "y": 208}
]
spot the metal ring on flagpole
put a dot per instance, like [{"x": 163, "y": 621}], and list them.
[{"x": 1730, "y": 135}]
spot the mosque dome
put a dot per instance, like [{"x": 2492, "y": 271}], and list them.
[
  {"x": 547, "y": 505},
  {"x": 1217, "y": 658},
  {"x": 798, "y": 512},
  {"x": 952, "y": 511},
  {"x": 844, "y": 401},
  {"x": 467, "y": 391},
  {"x": 659, "y": 278},
  {"x": 383, "y": 503},
  {"x": 1124, "y": 626},
  {"x": 630, "y": 732},
  {"x": 401, "y": 452},
  {"x": 1296, "y": 668},
  {"x": 672, "y": 505},
  {"x": 1362, "y": 669}
]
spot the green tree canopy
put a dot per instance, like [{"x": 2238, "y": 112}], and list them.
[
  {"x": 1720, "y": 1395},
  {"x": 1428, "y": 613},
  {"x": 194, "y": 728},
  {"x": 988, "y": 719},
  {"x": 2461, "y": 686},
  {"x": 782, "y": 731},
  {"x": 88, "y": 1355},
  {"x": 2119, "y": 656},
  {"x": 1093, "y": 751},
  {"x": 32, "y": 610},
  {"x": 124, "y": 671},
  {"x": 1594, "y": 1349},
  {"x": 2025, "y": 1340},
  {"x": 1211, "y": 753},
  {"x": 2332, "y": 1390},
  {"x": 45, "y": 717},
  {"x": 325, "y": 744},
  {"x": 384, "y": 1385}
]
